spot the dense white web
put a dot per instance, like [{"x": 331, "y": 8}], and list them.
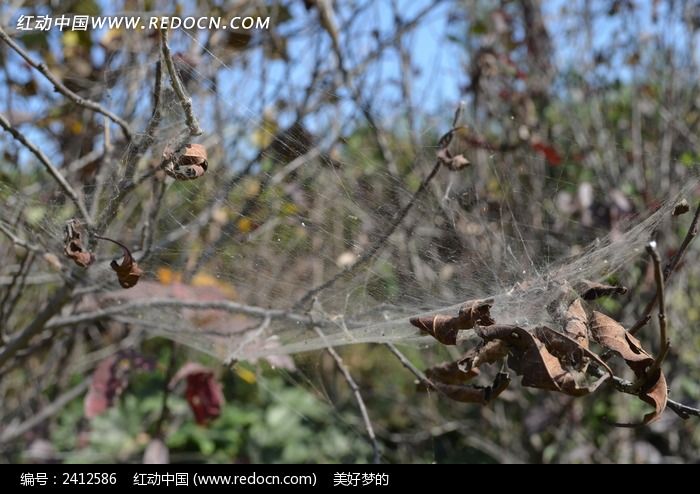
[{"x": 228, "y": 257}]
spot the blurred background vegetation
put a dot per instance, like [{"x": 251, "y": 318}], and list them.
[{"x": 587, "y": 111}]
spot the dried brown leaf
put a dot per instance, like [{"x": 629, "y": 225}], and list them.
[
  {"x": 450, "y": 373},
  {"x": 540, "y": 368},
  {"x": 128, "y": 272},
  {"x": 591, "y": 290},
  {"x": 680, "y": 208},
  {"x": 655, "y": 393},
  {"x": 576, "y": 323},
  {"x": 186, "y": 164},
  {"x": 453, "y": 147},
  {"x": 486, "y": 353},
  {"x": 610, "y": 333},
  {"x": 74, "y": 247},
  {"x": 475, "y": 394},
  {"x": 613, "y": 336},
  {"x": 444, "y": 328}
]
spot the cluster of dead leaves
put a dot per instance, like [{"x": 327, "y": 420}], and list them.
[
  {"x": 128, "y": 271},
  {"x": 188, "y": 163},
  {"x": 546, "y": 358}
]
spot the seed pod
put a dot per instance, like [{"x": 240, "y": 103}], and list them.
[
  {"x": 73, "y": 244},
  {"x": 188, "y": 163}
]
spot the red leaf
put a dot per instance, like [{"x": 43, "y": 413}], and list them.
[
  {"x": 203, "y": 391},
  {"x": 111, "y": 378},
  {"x": 550, "y": 154}
]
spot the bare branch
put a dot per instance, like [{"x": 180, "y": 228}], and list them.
[
  {"x": 659, "y": 278},
  {"x": 62, "y": 182},
  {"x": 356, "y": 392},
  {"x": 37, "y": 325},
  {"x": 154, "y": 303},
  {"x": 692, "y": 233},
  {"x": 13, "y": 431},
  {"x": 18, "y": 241},
  {"x": 185, "y": 100},
  {"x": 408, "y": 365},
  {"x": 668, "y": 271},
  {"x": 61, "y": 88}
]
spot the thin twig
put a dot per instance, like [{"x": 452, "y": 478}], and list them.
[
  {"x": 38, "y": 324},
  {"x": 185, "y": 100},
  {"x": 225, "y": 305},
  {"x": 13, "y": 431},
  {"x": 149, "y": 225},
  {"x": 369, "y": 254},
  {"x": 692, "y": 233},
  {"x": 356, "y": 392},
  {"x": 668, "y": 271},
  {"x": 62, "y": 182},
  {"x": 61, "y": 88},
  {"x": 408, "y": 365},
  {"x": 18, "y": 241},
  {"x": 21, "y": 276},
  {"x": 630, "y": 388},
  {"x": 663, "y": 337}
]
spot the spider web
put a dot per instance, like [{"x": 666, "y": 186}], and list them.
[{"x": 234, "y": 252}]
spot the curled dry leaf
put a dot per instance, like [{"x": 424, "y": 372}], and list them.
[
  {"x": 444, "y": 328},
  {"x": 475, "y": 394},
  {"x": 450, "y": 373},
  {"x": 74, "y": 247},
  {"x": 186, "y": 164},
  {"x": 128, "y": 272},
  {"x": 203, "y": 391},
  {"x": 453, "y": 146},
  {"x": 680, "y": 208},
  {"x": 612, "y": 335},
  {"x": 576, "y": 323},
  {"x": 655, "y": 393},
  {"x": 590, "y": 290},
  {"x": 530, "y": 357},
  {"x": 485, "y": 353},
  {"x": 111, "y": 378}
]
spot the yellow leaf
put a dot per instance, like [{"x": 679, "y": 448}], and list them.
[
  {"x": 76, "y": 127},
  {"x": 167, "y": 276},
  {"x": 204, "y": 279},
  {"x": 246, "y": 374},
  {"x": 245, "y": 225},
  {"x": 289, "y": 208},
  {"x": 70, "y": 39}
]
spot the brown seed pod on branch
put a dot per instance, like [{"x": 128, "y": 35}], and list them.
[
  {"x": 75, "y": 235},
  {"x": 188, "y": 163}
]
